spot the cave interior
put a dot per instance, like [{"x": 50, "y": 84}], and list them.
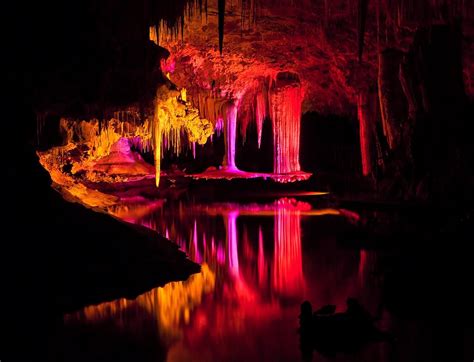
[{"x": 261, "y": 151}]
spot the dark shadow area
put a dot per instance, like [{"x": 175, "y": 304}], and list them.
[
  {"x": 106, "y": 339},
  {"x": 60, "y": 256},
  {"x": 330, "y": 332},
  {"x": 249, "y": 157},
  {"x": 330, "y": 144}
]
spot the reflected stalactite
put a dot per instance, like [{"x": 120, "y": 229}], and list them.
[
  {"x": 288, "y": 268},
  {"x": 262, "y": 275},
  {"x": 232, "y": 242},
  {"x": 224, "y": 249},
  {"x": 252, "y": 268}
]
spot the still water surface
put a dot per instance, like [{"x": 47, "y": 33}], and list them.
[{"x": 259, "y": 260}]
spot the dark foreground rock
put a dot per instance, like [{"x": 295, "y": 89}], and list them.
[{"x": 60, "y": 256}]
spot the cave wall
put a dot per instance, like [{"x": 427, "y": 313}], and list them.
[
  {"x": 383, "y": 62},
  {"x": 92, "y": 58}
]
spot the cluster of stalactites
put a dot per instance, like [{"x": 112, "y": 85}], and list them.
[
  {"x": 174, "y": 118},
  {"x": 222, "y": 113},
  {"x": 166, "y": 31},
  {"x": 390, "y": 15},
  {"x": 255, "y": 107},
  {"x": 171, "y": 28},
  {"x": 100, "y": 136},
  {"x": 279, "y": 98},
  {"x": 174, "y": 126},
  {"x": 285, "y": 112}
]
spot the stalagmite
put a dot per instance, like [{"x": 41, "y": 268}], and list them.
[{"x": 285, "y": 111}]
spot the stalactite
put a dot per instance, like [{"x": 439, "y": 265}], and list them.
[
  {"x": 153, "y": 34},
  {"x": 361, "y": 23},
  {"x": 243, "y": 10},
  {"x": 248, "y": 14},
  {"x": 377, "y": 11},
  {"x": 366, "y": 116},
  {"x": 391, "y": 97},
  {"x": 221, "y": 10},
  {"x": 261, "y": 112},
  {"x": 326, "y": 14},
  {"x": 279, "y": 98},
  {"x": 157, "y": 137},
  {"x": 210, "y": 106},
  {"x": 173, "y": 116},
  {"x": 170, "y": 20},
  {"x": 222, "y": 113},
  {"x": 230, "y": 132},
  {"x": 285, "y": 111}
]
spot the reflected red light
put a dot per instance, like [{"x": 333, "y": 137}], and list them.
[
  {"x": 257, "y": 264},
  {"x": 288, "y": 268}
]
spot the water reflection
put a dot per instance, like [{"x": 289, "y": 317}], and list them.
[
  {"x": 169, "y": 306},
  {"x": 244, "y": 303}
]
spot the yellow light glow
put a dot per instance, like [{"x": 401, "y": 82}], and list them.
[{"x": 171, "y": 305}]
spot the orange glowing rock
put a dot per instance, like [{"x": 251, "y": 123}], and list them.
[
  {"x": 71, "y": 189},
  {"x": 104, "y": 148},
  {"x": 173, "y": 117}
]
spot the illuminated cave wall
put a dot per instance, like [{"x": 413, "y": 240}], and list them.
[
  {"x": 343, "y": 52},
  {"x": 229, "y": 56},
  {"x": 174, "y": 124}
]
